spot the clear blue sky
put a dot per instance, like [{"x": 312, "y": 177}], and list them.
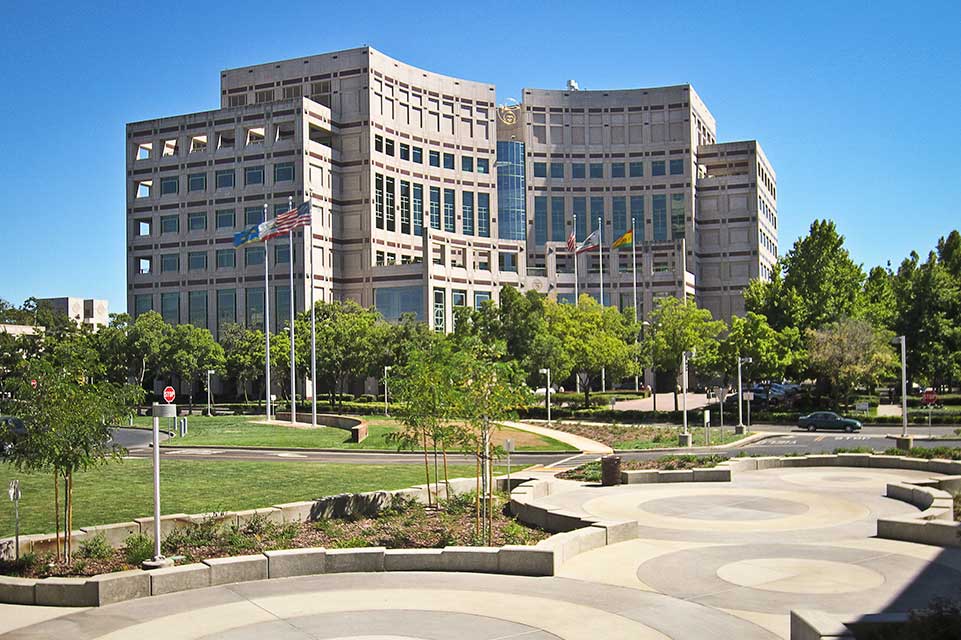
[{"x": 855, "y": 103}]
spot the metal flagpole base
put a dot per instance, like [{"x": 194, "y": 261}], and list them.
[
  {"x": 740, "y": 429},
  {"x": 684, "y": 440},
  {"x": 159, "y": 563}
]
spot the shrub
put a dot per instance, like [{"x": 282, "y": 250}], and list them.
[
  {"x": 137, "y": 548},
  {"x": 96, "y": 548},
  {"x": 366, "y": 397}
]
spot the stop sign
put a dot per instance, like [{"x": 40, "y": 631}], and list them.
[
  {"x": 930, "y": 397},
  {"x": 169, "y": 394}
]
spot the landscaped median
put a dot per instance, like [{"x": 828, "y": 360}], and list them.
[{"x": 627, "y": 437}]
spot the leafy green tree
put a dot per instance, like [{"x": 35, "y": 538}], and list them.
[
  {"x": 190, "y": 352},
  {"x": 773, "y": 300},
  {"x": 147, "y": 342},
  {"x": 848, "y": 354},
  {"x": 949, "y": 253},
  {"x": 771, "y": 352},
  {"x": 244, "y": 355},
  {"x": 879, "y": 304},
  {"x": 113, "y": 343}
]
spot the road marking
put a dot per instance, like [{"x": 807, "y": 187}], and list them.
[{"x": 290, "y": 455}]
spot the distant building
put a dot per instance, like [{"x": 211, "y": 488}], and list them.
[
  {"x": 82, "y": 311},
  {"x": 18, "y": 330}
]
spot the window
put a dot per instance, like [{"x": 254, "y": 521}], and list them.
[
  {"x": 197, "y": 182},
  {"x": 254, "y": 256},
  {"x": 467, "y": 163},
  {"x": 284, "y": 172},
  {"x": 540, "y": 169},
  {"x": 557, "y": 220},
  {"x": 433, "y": 157},
  {"x": 579, "y": 209},
  {"x": 254, "y": 175},
  {"x": 378, "y": 201},
  {"x": 483, "y": 165},
  {"x": 467, "y": 213},
  {"x": 597, "y": 215},
  {"x": 388, "y": 146},
  {"x": 143, "y": 228},
  {"x": 637, "y": 169},
  {"x": 284, "y": 131},
  {"x": 226, "y": 139},
  {"x": 597, "y": 169},
  {"x": 448, "y": 160},
  {"x": 145, "y": 265},
  {"x": 540, "y": 219},
  {"x": 379, "y": 143},
  {"x": 265, "y": 95},
  {"x": 557, "y": 170},
  {"x": 225, "y": 179},
  {"x": 169, "y": 185},
  {"x": 255, "y": 135},
  {"x": 253, "y": 215},
  {"x": 281, "y": 253},
  {"x": 577, "y": 170},
  {"x": 379, "y": 258},
  {"x": 225, "y": 219},
  {"x": 657, "y": 168},
  {"x": 677, "y": 215},
  {"x": 282, "y": 307},
  {"x": 404, "y": 151},
  {"x": 417, "y": 155},
  {"x": 389, "y": 212},
  {"x": 637, "y": 213},
  {"x": 508, "y": 261},
  {"x": 144, "y": 188},
  {"x": 440, "y": 311},
  {"x": 458, "y": 298},
  {"x": 197, "y": 308},
  {"x": 142, "y": 303},
  {"x": 659, "y": 216},
  {"x": 619, "y": 224},
  {"x": 197, "y": 261},
  {"x": 169, "y": 224},
  {"x": 617, "y": 169},
  {"x": 226, "y": 258},
  {"x": 255, "y": 308},
  {"x": 198, "y": 144},
  {"x": 170, "y": 307},
  {"x": 404, "y": 206},
  {"x": 483, "y": 215},
  {"x": 144, "y": 150},
  {"x": 197, "y": 221},
  {"x": 418, "y": 210},
  {"x": 170, "y": 263},
  {"x": 449, "y": 210},
  {"x": 226, "y": 307},
  {"x": 238, "y": 100},
  {"x": 677, "y": 167},
  {"x": 480, "y": 297},
  {"x": 170, "y": 148},
  {"x": 435, "y": 207}
]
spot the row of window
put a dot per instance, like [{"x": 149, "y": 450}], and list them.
[
  {"x": 768, "y": 243},
  {"x": 226, "y": 307},
  {"x": 552, "y": 216},
  {"x": 413, "y": 154},
  {"x": 226, "y": 139},
  {"x": 223, "y": 179},
  {"x": 224, "y": 259},
  {"x": 197, "y": 220},
  {"x": 457, "y": 299},
  {"x": 474, "y": 207},
  {"x": 766, "y": 211},
  {"x": 633, "y": 169}
]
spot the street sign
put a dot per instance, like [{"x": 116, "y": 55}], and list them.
[
  {"x": 169, "y": 394},
  {"x": 930, "y": 397},
  {"x": 508, "y": 445},
  {"x": 720, "y": 393},
  {"x": 748, "y": 395},
  {"x": 861, "y": 406},
  {"x": 14, "y": 490}
]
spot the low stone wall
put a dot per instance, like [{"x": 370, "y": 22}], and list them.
[
  {"x": 818, "y": 625},
  {"x": 935, "y": 523},
  {"x": 356, "y": 426}
]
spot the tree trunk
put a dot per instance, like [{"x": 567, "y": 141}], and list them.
[
  {"x": 477, "y": 496},
  {"x": 586, "y": 381},
  {"x": 66, "y": 527},
  {"x": 436, "y": 474},
  {"x": 56, "y": 508},
  {"x": 427, "y": 468},
  {"x": 69, "y": 513},
  {"x": 446, "y": 476}
]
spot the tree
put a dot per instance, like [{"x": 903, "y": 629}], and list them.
[
  {"x": 678, "y": 326},
  {"x": 244, "y": 355},
  {"x": 773, "y": 300},
  {"x": 190, "y": 352},
  {"x": 112, "y": 342},
  {"x": 147, "y": 343},
  {"x": 771, "y": 352},
  {"x": 878, "y": 300},
  {"x": 848, "y": 354},
  {"x": 949, "y": 253}
]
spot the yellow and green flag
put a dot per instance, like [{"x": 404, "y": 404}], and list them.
[{"x": 625, "y": 240}]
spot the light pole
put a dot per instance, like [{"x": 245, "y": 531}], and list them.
[
  {"x": 209, "y": 411},
  {"x": 644, "y": 326},
  {"x": 548, "y": 393},
  {"x": 685, "y": 438},
  {"x": 158, "y": 411},
  {"x": 386, "y": 401},
  {"x": 740, "y": 395},
  {"x": 905, "y": 441}
]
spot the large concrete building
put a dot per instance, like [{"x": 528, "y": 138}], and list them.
[
  {"x": 84, "y": 311},
  {"x": 426, "y": 195}
]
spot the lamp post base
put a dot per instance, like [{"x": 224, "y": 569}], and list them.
[
  {"x": 159, "y": 563},
  {"x": 740, "y": 430},
  {"x": 684, "y": 440},
  {"x": 904, "y": 442}
]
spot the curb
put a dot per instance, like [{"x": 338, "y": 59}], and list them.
[
  {"x": 751, "y": 439},
  {"x": 188, "y": 447}
]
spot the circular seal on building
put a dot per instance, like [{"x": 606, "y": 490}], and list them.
[
  {"x": 537, "y": 284},
  {"x": 507, "y": 113}
]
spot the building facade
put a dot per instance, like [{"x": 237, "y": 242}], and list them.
[
  {"x": 426, "y": 196},
  {"x": 83, "y": 311}
]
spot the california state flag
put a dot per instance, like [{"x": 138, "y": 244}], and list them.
[{"x": 590, "y": 243}]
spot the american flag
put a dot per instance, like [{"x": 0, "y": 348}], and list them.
[
  {"x": 290, "y": 220},
  {"x": 571, "y": 242}
]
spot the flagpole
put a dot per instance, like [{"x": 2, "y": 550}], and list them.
[
  {"x": 293, "y": 296},
  {"x": 637, "y": 383},
  {"x": 575, "y": 261},
  {"x": 267, "y": 316},
  {"x": 313, "y": 322},
  {"x": 600, "y": 237}
]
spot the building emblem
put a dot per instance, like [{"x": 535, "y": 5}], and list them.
[{"x": 507, "y": 113}]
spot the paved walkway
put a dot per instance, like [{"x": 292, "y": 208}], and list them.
[
  {"x": 582, "y": 444},
  {"x": 665, "y": 402}
]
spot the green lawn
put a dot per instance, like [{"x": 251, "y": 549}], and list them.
[
  {"x": 244, "y": 431},
  {"x": 670, "y": 437},
  {"x": 122, "y": 491}
]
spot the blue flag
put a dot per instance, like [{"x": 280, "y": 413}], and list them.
[{"x": 248, "y": 235}]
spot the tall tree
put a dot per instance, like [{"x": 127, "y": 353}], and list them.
[
  {"x": 848, "y": 354},
  {"x": 244, "y": 355},
  {"x": 775, "y": 301},
  {"x": 190, "y": 352},
  {"x": 878, "y": 301},
  {"x": 147, "y": 343},
  {"x": 771, "y": 352}
]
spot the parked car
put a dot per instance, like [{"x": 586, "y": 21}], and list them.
[
  {"x": 11, "y": 430},
  {"x": 828, "y": 420}
]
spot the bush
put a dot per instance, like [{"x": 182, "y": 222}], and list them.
[
  {"x": 366, "y": 397},
  {"x": 96, "y": 548},
  {"x": 137, "y": 548}
]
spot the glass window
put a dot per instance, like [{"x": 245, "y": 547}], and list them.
[
  {"x": 677, "y": 215},
  {"x": 169, "y": 185},
  {"x": 579, "y": 209},
  {"x": 467, "y": 163},
  {"x": 253, "y": 215},
  {"x": 540, "y": 219},
  {"x": 197, "y": 308},
  {"x": 449, "y": 224},
  {"x": 197, "y": 261},
  {"x": 142, "y": 303},
  {"x": 657, "y": 168},
  {"x": 619, "y": 224},
  {"x": 557, "y": 170},
  {"x": 417, "y": 155},
  {"x": 226, "y": 258},
  {"x": 284, "y": 172},
  {"x": 281, "y": 253},
  {"x": 448, "y": 160},
  {"x": 480, "y": 297},
  {"x": 540, "y": 169},
  {"x": 659, "y": 217},
  {"x": 558, "y": 232},
  {"x": 281, "y": 307},
  {"x": 637, "y": 169},
  {"x": 483, "y": 165},
  {"x": 404, "y": 151},
  {"x": 225, "y": 179},
  {"x": 597, "y": 169},
  {"x": 435, "y": 207},
  {"x": 677, "y": 167},
  {"x": 388, "y": 146},
  {"x": 254, "y": 256},
  {"x": 440, "y": 311},
  {"x": 404, "y": 206},
  {"x": 197, "y": 182},
  {"x": 483, "y": 215},
  {"x": 637, "y": 213},
  {"x": 378, "y": 201},
  {"x": 511, "y": 190},
  {"x": 389, "y": 213},
  {"x": 467, "y": 213},
  {"x": 170, "y": 307},
  {"x": 433, "y": 157},
  {"x": 255, "y": 308},
  {"x": 393, "y": 302},
  {"x": 597, "y": 213},
  {"x": 196, "y": 221},
  {"x": 577, "y": 170},
  {"x": 170, "y": 263},
  {"x": 226, "y": 219},
  {"x": 418, "y": 193},
  {"x": 226, "y": 307},
  {"x": 458, "y": 298},
  {"x": 617, "y": 169},
  {"x": 379, "y": 143},
  {"x": 508, "y": 261},
  {"x": 169, "y": 224},
  {"x": 254, "y": 175}
]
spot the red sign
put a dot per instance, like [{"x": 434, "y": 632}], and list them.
[
  {"x": 33, "y": 383},
  {"x": 169, "y": 394},
  {"x": 930, "y": 397}
]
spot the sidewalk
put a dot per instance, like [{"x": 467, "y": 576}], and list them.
[{"x": 585, "y": 445}]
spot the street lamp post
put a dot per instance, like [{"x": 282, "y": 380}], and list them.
[
  {"x": 548, "y": 393},
  {"x": 644, "y": 326},
  {"x": 685, "y": 438},
  {"x": 905, "y": 441},
  {"x": 386, "y": 401},
  {"x": 740, "y": 395},
  {"x": 209, "y": 411},
  {"x": 158, "y": 411}
]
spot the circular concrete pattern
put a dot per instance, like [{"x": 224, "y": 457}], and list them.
[
  {"x": 800, "y": 575},
  {"x": 839, "y": 479},
  {"x": 724, "y": 507}
]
